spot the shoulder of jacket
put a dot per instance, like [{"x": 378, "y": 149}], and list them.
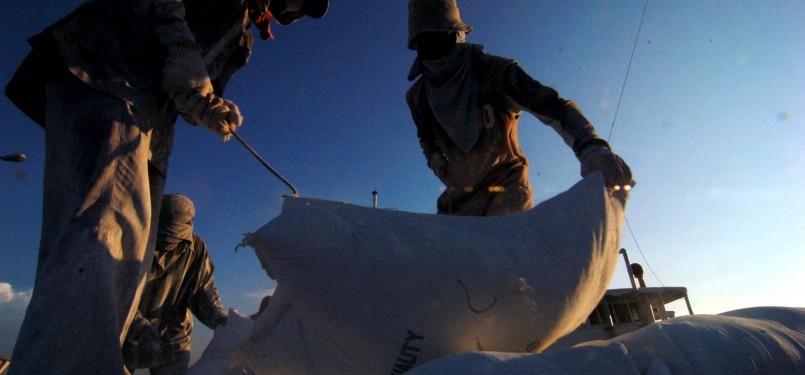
[
  {"x": 491, "y": 69},
  {"x": 493, "y": 60}
]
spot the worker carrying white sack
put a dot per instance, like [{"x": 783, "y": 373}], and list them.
[
  {"x": 107, "y": 83},
  {"x": 466, "y": 105},
  {"x": 181, "y": 281}
]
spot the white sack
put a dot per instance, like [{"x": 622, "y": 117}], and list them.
[
  {"x": 756, "y": 341},
  {"x": 224, "y": 344},
  {"x": 371, "y": 291}
]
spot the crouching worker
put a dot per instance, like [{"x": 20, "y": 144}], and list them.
[{"x": 180, "y": 282}]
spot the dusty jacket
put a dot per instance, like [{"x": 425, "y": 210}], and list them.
[
  {"x": 180, "y": 282},
  {"x": 117, "y": 47},
  {"x": 492, "y": 179}
]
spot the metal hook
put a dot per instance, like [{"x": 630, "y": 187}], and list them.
[{"x": 294, "y": 192}]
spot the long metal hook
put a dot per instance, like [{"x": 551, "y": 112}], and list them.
[{"x": 295, "y": 193}]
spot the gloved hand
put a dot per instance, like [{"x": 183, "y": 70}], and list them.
[
  {"x": 217, "y": 114},
  {"x": 438, "y": 163},
  {"x": 154, "y": 340},
  {"x": 185, "y": 80},
  {"x": 598, "y": 158},
  {"x": 143, "y": 347}
]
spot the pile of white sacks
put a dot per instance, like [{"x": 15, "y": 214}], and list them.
[{"x": 371, "y": 291}]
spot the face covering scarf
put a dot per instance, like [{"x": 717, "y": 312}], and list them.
[
  {"x": 176, "y": 219},
  {"x": 452, "y": 90}
]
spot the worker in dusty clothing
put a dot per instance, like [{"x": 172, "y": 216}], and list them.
[
  {"x": 180, "y": 282},
  {"x": 466, "y": 105},
  {"x": 107, "y": 83}
]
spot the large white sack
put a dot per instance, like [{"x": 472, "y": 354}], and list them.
[
  {"x": 225, "y": 341},
  {"x": 755, "y": 341},
  {"x": 371, "y": 291}
]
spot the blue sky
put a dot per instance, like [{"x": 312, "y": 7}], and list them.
[{"x": 711, "y": 123}]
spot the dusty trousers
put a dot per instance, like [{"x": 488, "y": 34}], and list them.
[{"x": 96, "y": 244}]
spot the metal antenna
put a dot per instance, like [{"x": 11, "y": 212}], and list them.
[
  {"x": 295, "y": 193},
  {"x": 615, "y": 118},
  {"x": 628, "y": 68}
]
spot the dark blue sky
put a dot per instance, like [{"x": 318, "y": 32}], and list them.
[{"x": 711, "y": 123}]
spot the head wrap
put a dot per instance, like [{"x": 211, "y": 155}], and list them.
[
  {"x": 176, "y": 219},
  {"x": 433, "y": 15}
]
